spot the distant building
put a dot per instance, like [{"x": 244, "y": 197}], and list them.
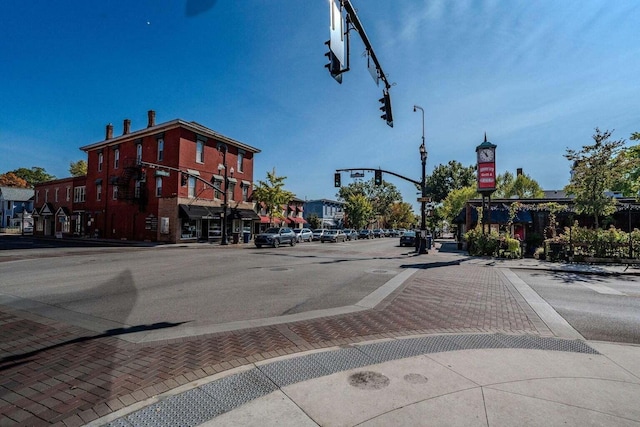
[
  {"x": 330, "y": 212},
  {"x": 15, "y": 203},
  {"x": 60, "y": 207}
]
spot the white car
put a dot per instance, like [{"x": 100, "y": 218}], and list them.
[{"x": 317, "y": 233}]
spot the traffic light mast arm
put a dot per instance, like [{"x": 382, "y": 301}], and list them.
[
  {"x": 381, "y": 170},
  {"x": 352, "y": 17},
  {"x": 157, "y": 166}
]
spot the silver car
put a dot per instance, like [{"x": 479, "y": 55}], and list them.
[
  {"x": 317, "y": 233},
  {"x": 304, "y": 234}
]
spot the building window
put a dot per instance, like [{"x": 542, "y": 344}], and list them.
[
  {"x": 115, "y": 192},
  {"x": 138, "y": 153},
  {"x": 68, "y": 194},
  {"x": 37, "y": 197},
  {"x": 79, "y": 194},
  {"x": 240, "y": 160},
  {"x": 46, "y": 195},
  {"x": 217, "y": 185},
  {"x": 231, "y": 190},
  {"x": 99, "y": 192},
  {"x": 100, "y": 161},
  {"x": 192, "y": 186},
  {"x": 245, "y": 193},
  {"x": 55, "y": 196},
  {"x": 160, "y": 149},
  {"x": 116, "y": 158},
  {"x": 200, "y": 151},
  {"x": 136, "y": 191},
  {"x": 159, "y": 186}
]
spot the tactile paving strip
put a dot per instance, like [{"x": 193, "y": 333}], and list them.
[{"x": 198, "y": 405}]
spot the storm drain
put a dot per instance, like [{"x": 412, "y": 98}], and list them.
[{"x": 201, "y": 404}]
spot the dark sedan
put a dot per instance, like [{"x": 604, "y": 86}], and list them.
[{"x": 408, "y": 238}]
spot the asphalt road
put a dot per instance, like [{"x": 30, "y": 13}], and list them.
[
  {"x": 199, "y": 284},
  {"x": 605, "y": 308}
]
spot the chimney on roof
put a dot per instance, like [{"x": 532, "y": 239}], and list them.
[
  {"x": 109, "y": 131},
  {"x": 126, "y": 127},
  {"x": 152, "y": 118},
  {"x": 518, "y": 171}
]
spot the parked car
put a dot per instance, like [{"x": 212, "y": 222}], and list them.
[
  {"x": 333, "y": 236},
  {"x": 275, "y": 237},
  {"x": 303, "y": 234},
  {"x": 317, "y": 233},
  {"x": 351, "y": 234},
  {"x": 365, "y": 234},
  {"x": 408, "y": 238},
  {"x": 378, "y": 232},
  {"x": 394, "y": 233}
]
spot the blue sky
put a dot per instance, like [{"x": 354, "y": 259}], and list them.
[{"x": 537, "y": 76}]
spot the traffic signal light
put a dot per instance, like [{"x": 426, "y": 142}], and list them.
[
  {"x": 378, "y": 177},
  {"x": 184, "y": 178},
  {"x": 333, "y": 66},
  {"x": 386, "y": 108},
  {"x": 336, "y": 179}
]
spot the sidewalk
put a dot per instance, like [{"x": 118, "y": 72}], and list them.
[{"x": 441, "y": 380}]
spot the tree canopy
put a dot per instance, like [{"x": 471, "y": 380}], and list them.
[
  {"x": 272, "y": 194},
  {"x": 78, "y": 168},
  {"x": 522, "y": 187},
  {"x": 358, "y": 210},
  {"x": 33, "y": 176},
  {"x": 596, "y": 169},
  {"x": 446, "y": 178},
  {"x": 10, "y": 179},
  {"x": 381, "y": 197}
]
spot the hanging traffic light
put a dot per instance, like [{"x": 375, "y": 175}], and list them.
[
  {"x": 333, "y": 66},
  {"x": 184, "y": 178},
  {"x": 378, "y": 177},
  {"x": 336, "y": 179},
  {"x": 386, "y": 108}
]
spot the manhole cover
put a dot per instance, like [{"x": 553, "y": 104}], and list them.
[
  {"x": 279, "y": 269},
  {"x": 368, "y": 380},
  {"x": 415, "y": 379}
]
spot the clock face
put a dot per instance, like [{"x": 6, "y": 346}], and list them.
[{"x": 485, "y": 155}]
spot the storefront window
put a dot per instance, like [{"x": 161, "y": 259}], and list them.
[{"x": 189, "y": 229}]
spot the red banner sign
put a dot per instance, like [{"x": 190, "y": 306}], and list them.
[{"x": 486, "y": 176}]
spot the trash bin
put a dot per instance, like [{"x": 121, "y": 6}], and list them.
[
  {"x": 247, "y": 237},
  {"x": 236, "y": 238},
  {"x": 429, "y": 241}
]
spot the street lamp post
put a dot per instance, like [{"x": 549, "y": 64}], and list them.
[
  {"x": 423, "y": 220},
  {"x": 224, "y": 149}
]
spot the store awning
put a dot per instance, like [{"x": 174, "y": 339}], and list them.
[
  {"x": 498, "y": 216},
  {"x": 245, "y": 215},
  {"x": 296, "y": 220},
  {"x": 199, "y": 212}
]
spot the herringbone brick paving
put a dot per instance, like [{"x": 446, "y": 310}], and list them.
[{"x": 53, "y": 373}]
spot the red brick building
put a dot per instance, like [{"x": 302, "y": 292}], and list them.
[
  {"x": 164, "y": 183},
  {"x": 59, "y": 207}
]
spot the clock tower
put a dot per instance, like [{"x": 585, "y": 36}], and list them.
[{"x": 486, "y": 157}]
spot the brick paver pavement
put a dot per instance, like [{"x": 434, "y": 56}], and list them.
[{"x": 54, "y": 373}]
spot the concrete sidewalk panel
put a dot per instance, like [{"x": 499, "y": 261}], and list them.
[
  {"x": 344, "y": 399},
  {"x": 616, "y": 398},
  {"x": 507, "y": 409},
  {"x": 491, "y": 366},
  {"x": 461, "y": 409},
  {"x": 272, "y": 410},
  {"x": 626, "y": 356}
]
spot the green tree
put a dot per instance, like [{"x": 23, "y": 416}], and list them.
[
  {"x": 629, "y": 185},
  {"x": 314, "y": 221},
  {"x": 358, "y": 210},
  {"x": 401, "y": 215},
  {"x": 522, "y": 187},
  {"x": 451, "y": 176},
  {"x": 33, "y": 176},
  {"x": 272, "y": 194},
  {"x": 381, "y": 197},
  {"x": 456, "y": 200},
  {"x": 78, "y": 168},
  {"x": 596, "y": 168}
]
